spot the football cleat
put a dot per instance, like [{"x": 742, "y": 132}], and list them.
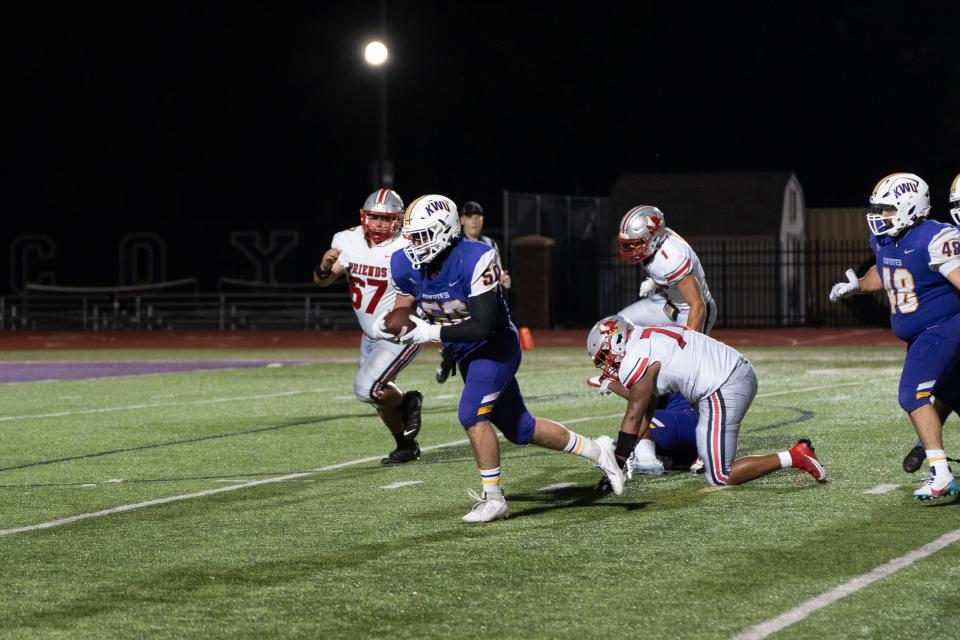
[
  {"x": 697, "y": 466},
  {"x": 410, "y": 406},
  {"x": 914, "y": 459},
  {"x": 486, "y": 509},
  {"x": 936, "y": 487},
  {"x": 607, "y": 464},
  {"x": 594, "y": 381},
  {"x": 645, "y": 467},
  {"x": 803, "y": 457},
  {"x": 403, "y": 454}
]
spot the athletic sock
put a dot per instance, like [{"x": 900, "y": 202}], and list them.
[
  {"x": 937, "y": 460},
  {"x": 645, "y": 450},
  {"x": 491, "y": 482},
  {"x": 580, "y": 445},
  {"x": 786, "y": 461}
]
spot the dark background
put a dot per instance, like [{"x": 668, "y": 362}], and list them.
[{"x": 181, "y": 117}]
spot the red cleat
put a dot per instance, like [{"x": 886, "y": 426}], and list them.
[{"x": 804, "y": 458}]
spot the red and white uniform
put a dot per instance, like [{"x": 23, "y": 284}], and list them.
[
  {"x": 673, "y": 260},
  {"x": 715, "y": 376},
  {"x": 367, "y": 270}
]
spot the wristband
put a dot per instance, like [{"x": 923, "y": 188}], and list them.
[{"x": 320, "y": 273}]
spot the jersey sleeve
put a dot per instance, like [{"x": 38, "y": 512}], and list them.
[
  {"x": 486, "y": 274},
  {"x": 341, "y": 242},
  {"x": 402, "y": 278},
  {"x": 634, "y": 363},
  {"x": 670, "y": 264},
  {"x": 944, "y": 250}
]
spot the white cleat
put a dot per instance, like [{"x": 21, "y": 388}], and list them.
[
  {"x": 608, "y": 465},
  {"x": 486, "y": 509},
  {"x": 697, "y": 465},
  {"x": 644, "y": 467},
  {"x": 936, "y": 487}
]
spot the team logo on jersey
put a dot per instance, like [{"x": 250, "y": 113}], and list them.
[{"x": 443, "y": 295}]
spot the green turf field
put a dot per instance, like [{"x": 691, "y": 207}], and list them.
[{"x": 338, "y": 554}]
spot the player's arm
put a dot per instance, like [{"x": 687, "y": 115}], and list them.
[
  {"x": 479, "y": 326},
  {"x": 689, "y": 288},
  {"x": 636, "y": 419},
  {"x": 953, "y": 277},
  {"x": 329, "y": 269},
  {"x": 870, "y": 281},
  {"x": 403, "y": 301}
]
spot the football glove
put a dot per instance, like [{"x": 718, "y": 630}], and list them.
[
  {"x": 379, "y": 329},
  {"x": 647, "y": 288},
  {"x": 424, "y": 332},
  {"x": 843, "y": 290}
]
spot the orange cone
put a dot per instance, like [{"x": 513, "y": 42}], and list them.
[{"x": 526, "y": 339}]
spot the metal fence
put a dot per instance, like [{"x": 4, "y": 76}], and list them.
[{"x": 755, "y": 283}]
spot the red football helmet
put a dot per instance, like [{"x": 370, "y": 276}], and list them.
[
  {"x": 641, "y": 231},
  {"x": 382, "y": 215}
]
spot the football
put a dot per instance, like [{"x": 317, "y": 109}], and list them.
[{"x": 398, "y": 321}]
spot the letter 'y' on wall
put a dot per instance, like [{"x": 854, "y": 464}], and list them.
[{"x": 264, "y": 258}]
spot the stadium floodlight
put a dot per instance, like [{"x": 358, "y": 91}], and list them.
[{"x": 375, "y": 53}]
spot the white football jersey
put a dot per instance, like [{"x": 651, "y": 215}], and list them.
[
  {"x": 672, "y": 261},
  {"x": 368, "y": 273},
  {"x": 691, "y": 364}
]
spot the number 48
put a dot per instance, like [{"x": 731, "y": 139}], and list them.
[{"x": 900, "y": 289}]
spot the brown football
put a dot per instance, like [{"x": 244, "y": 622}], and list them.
[{"x": 398, "y": 320}]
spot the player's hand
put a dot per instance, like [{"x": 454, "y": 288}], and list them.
[
  {"x": 424, "y": 332},
  {"x": 380, "y": 329},
  {"x": 326, "y": 263},
  {"x": 647, "y": 288},
  {"x": 505, "y": 281},
  {"x": 604, "y": 387},
  {"x": 842, "y": 290}
]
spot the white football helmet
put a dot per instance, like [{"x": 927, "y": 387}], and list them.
[
  {"x": 387, "y": 207},
  {"x": 431, "y": 224},
  {"x": 607, "y": 344},
  {"x": 955, "y": 200},
  {"x": 641, "y": 233},
  {"x": 904, "y": 194}
]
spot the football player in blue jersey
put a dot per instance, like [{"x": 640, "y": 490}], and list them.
[
  {"x": 456, "y": 283},
  {"x": 918, "y": 264},
  {"x": 672, "y": 435},
  {"x": 946, "y": 393}
]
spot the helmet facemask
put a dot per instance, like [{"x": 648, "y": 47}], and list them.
[
  {"x": 635, "y": 250},
  {"x": 380, "y": 226},
  {"x": 430, "y": 237}
]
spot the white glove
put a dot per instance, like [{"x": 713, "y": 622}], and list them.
[
  {"x": 605, "y": 386},
  {"x": 647, "y": 288},
  {"x": 379, "y": 329},
  {"x": 844, "y": 289},
  {"x": 424, "y": 332}
]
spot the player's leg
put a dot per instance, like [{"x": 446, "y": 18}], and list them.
[
  {"x": 511, "y": 416},
  {"x": 718, "y": 430},
  {"x": 648, "y": 311},
  {"x": 927, "y": 358},
  {"x": 380, "y": 363}
]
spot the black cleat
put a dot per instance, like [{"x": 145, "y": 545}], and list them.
[
  {"x": 410, "y": 407},
  {"x": 404, "y": 454},
  {"x": 447, "y": 366},
  {"x": 914, "y": 460}
]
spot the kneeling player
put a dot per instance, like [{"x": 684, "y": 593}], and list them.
[
  {"x": 457, "y": 284},
  {"x": 652, "y": 361},
  {"x": 363, "y": 253}
]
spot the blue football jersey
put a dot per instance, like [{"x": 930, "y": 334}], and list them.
[
  {"x": 909, "y": 268},
  {"x": 471, "y": 268}
]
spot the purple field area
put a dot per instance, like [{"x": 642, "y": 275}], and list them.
[{"x": 33, "y": 371}]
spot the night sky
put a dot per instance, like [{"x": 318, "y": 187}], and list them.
[{"x": 254, "y": 111}]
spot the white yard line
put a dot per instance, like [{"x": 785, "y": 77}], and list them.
[
  {"x": 153, "y": 405},
  {"x": 208, "y": 492},
  {"x": 405, "y": 483},
  {"x": 882, "y": 488},
  {"x": 800, "y": 612}
]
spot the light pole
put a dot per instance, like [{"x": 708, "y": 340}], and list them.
[{"x": 376, "y": 55}]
